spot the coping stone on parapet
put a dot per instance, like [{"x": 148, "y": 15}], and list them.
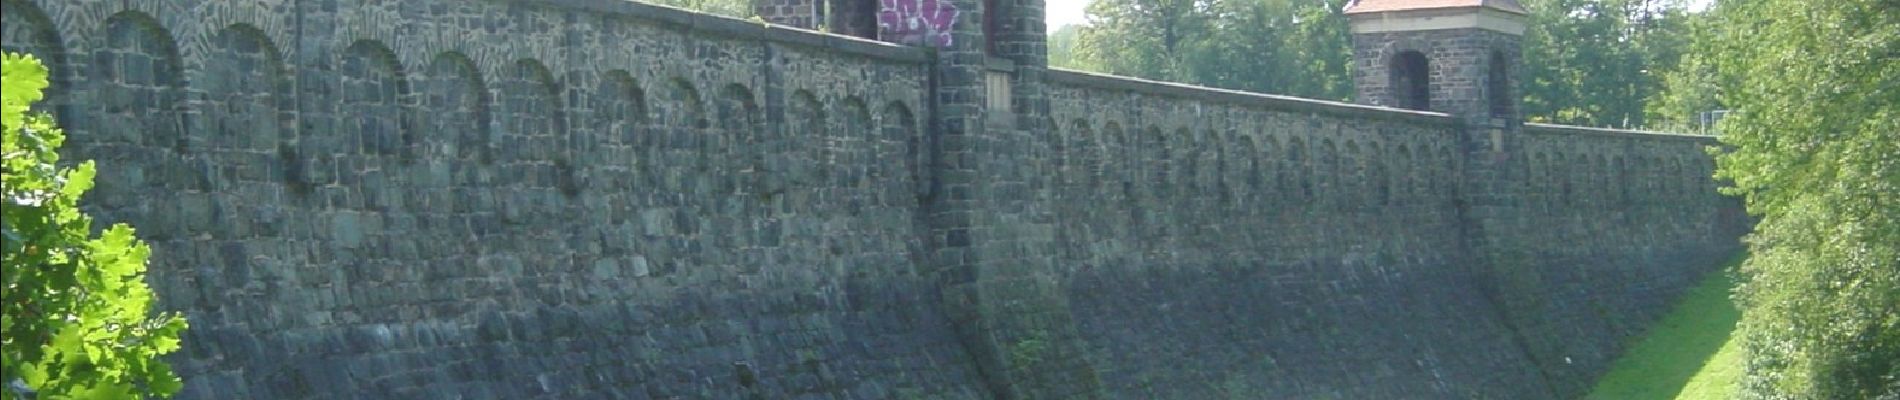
[
  {"x": 693, "y": 21},
  {"x": 1243, "y": 98}
]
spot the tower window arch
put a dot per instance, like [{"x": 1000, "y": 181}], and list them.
[
  {"x": 1498, "y": 79},
  {"x": 992, "y": 26},
  {"x": 857, "y": 18},
  {"x": 1411, "y": 80}
]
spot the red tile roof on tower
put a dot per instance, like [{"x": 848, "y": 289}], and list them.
[{"x": 1372, "y": 6}]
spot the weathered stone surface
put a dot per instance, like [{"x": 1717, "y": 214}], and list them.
[{"x": 604, "y": 199}]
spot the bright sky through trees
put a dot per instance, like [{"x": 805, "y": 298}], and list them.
[{"x": 1069, "y": 12}]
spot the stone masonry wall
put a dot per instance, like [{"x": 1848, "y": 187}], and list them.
[
  {"x": 1609, "y": 227},
  {"x": 1220, "y": 244},
  {"x": 604, "y": 199},
  {"x": 1229, "y": 245},
  {"x": 488, "y": 199}
]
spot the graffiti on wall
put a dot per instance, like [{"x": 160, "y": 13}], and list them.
[{"x": 916, "y": 22}]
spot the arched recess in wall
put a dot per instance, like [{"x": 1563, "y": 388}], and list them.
[
  {"x": 686, "y": 114},
  {"x": 1701, "y": 169},
  {"x": 1446, "y": 171},
  {"x": 243, "y": 82},
  {"x": 1159, "y": 149},
  {"x": 1619, "y": 182},
  {"x": 1299, "y": 170},
  {"x": 1679, "y": 185},
  {"x": 1205, "y": 162},
  {"x": 372, "y": 124},
  {"x": 1184, "y": 144},
  {"x": 1405, "y": 175},
  {"x": 1660, "y": 185},
  {"x": 855, "y": 120},
  {"x": 455, "y": 99},
  {"x": 1537, "y": 182},
  {"x": 1056, "y": 162},
  {"x": 1247, "y": 166},
  {"x": 1562, "y": 179},
  {"x": 140, "y": 93},
  {"x": 1640, "y": 179},
  {"x": 1269, "y": 181},
  {"x": 534, "y": 129},
  {"x": 25, "y": 28},
  {"x": 1083, "y": 162},
  {"x": 1576, "y": 173},
  {"x": 620, "y": 113},
  {"x": 682, "y": 111},
  {"x": 806, "y": 123},
  {"x": 1498, "y": 80},
  {"x": 1222, "y": 161},
  {"x": 1355, "y": 189},
  {"x": 1409, "y": 77},
  {"x": 740, "y": 138},
  {"x": 1600, "y": 180},
  {"x": 532, "y": 112},
  {"x": 1377, "y": 172},
  {"x": 901, "y": 135},
  {"x": 246, "y": 101},
  {"x": 1106, "y": 164},
  {"x": 372, "y": 117},
  {"x": 618, "y": 137},
  {"x": 1328, "y": 172}
]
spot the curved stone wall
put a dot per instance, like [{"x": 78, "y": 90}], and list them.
[
  {"x": 562, "y": 199},
  {"x": 604, "y": 199}
]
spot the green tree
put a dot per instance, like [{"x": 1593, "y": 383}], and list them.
[
  {"x": 1586, "y": 62},
  {"x": 1062, "y": 48},
  {"x": 1290, "y": 47},
  {"x": 75, "y": 320},
  {"x": 1321, "y": 46},
  {"x": 1140, "y": 38},
  {"x": 1689, "y": 89},
  {"x": 1596, "y": 62},
  {"x": 1815, "y": 149}
]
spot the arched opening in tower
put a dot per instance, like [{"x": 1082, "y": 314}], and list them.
[
  {"x": 1411, "y": 81},
  {"x": 992, "y": 20},
  {"x": 1499, "y": 82},
  {"x": 852, "y": 17}
]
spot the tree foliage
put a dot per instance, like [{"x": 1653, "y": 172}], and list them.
[
  {"x": 1598, "y": 62},
  {"x": 1062, "y": 46},
  {"x": 1586, "y": 62},
  {"x": 1815, "y": 149},
  {"x": 1299, "y": 48},
  {"x": 76, "y": 320},
  {"x": 1688, "y": 93}
]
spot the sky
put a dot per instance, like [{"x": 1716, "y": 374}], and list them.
[
  {"x": 1065, "y": 12},
  {"x": 1069, "y": 12}
]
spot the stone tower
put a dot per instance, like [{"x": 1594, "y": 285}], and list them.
[
  {"x": 1453, "y": 56},
  {"x": 988, "y": 111}
]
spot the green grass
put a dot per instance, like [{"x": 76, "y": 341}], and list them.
[
  {"x": 1686, "y": 355},
  {"x": 1717, "y": 378}
]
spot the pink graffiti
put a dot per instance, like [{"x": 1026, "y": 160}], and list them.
[{"x": 916, "y": 22}]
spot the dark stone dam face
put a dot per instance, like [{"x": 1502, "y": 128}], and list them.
[{"x": 558, "y": 199}]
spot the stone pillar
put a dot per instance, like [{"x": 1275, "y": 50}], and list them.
[
  {"x": 992, "y": 247},
  {"x": 1462, "y": 58}
]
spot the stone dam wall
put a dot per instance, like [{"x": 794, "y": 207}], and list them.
[
  {"x": 605, "y": 199},
  {"x": 1229, "y": 245}
]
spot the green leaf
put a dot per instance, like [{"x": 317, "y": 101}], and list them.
[{"x": 76, "y": 315}]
